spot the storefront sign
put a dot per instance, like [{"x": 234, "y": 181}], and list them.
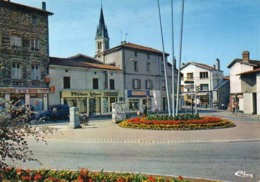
[
  {"x": 33, "y": 90},
  {"x": 131, "y": 93},
  {"x": 88, "y": 94},
  {"x": 111, "y": 94}
]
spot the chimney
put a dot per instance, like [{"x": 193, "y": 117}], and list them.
[
  {"x": 245, "y": 56},
  {"x": 214, "y": 66},
  {"x": 44, "y": 6},
  {"x": 218, "y": 64}
]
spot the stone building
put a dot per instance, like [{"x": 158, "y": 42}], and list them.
[
  {"x": 24, "y": 54},
  {"x": 86, "y": 83}
]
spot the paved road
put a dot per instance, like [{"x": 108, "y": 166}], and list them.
[{"x": 215, "y": 154}]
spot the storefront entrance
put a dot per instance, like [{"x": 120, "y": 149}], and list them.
[{"x": 94, "y": 106}]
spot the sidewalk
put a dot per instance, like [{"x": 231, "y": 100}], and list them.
[{"x": 102, "y": 130}]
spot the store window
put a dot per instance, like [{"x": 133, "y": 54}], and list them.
[
  {"x": 133, "y": 104},
  {"x": 36, "y": 101},
  {"x": 35, "y": 72},
  {"x": 95, "y": 83},
  {"x": 17, "y": 99},
  {"x": 94, "y": 106},
  {"x": 16, "y": 71},
  {"x": 66, "y": 82},
  {"x": 105, "y": 105},
  {"x": 112, "y": 84}
]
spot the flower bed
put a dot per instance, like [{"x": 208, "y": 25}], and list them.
[
  {"x": 84, "y": 175},
  {"x": 206, "y": 122}
]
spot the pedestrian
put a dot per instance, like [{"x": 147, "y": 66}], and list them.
[
  {"x": 206, "y": 105},
  {"x": 54, "y": 114},
  {"x": 233, "y": 109}
]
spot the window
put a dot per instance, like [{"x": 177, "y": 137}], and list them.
[
  {"x": 163, "y": 84},
  {"x": 34, "y": 20},
  {"x": 135, "y": 53},
  {"x": 15, "y": 16},
  {"x": 136, "y": 84},
  {"x": 148, "y": 56},
  {"x": 112, "y": 84},
  {"x": 36, "y": 72},
  {"x": 135, "y": 66},
  {"x": 99, "y": 45},
  {"x": 95, "y": 83},
  {"x": 66, "y": 82},
  {"x": 35, "y": 44},
  {"x": 16, "y": 41},
  {"x": 203, "y": 74},
  {"x": 16, "y": 71},
  {"x": 148, "y": 67},
  {"x": 190, "y": 76},
  {"x": 162, "y": 68},
  {"x": 204, "y": 87},
  {"x": 148, "y": 84}
]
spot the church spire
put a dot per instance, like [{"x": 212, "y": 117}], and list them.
[{"x": 102, "y": 38}]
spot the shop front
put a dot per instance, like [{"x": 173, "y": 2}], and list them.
[
  {"x": 137, "y": 100},
  {"x": 90, "y": 102},
  {"x": 35, "y": 97}
]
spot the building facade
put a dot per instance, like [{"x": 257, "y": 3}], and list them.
[
  {"x": 143, "y": 72},
  {"x": 202, "y": 79},
  {"x": 83, "y": 82},
  {"x": 244, "y": 84},
  {"x": 24, "y": 54}
]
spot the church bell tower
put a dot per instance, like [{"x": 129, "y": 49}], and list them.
[{"x": 102, "y": 38}]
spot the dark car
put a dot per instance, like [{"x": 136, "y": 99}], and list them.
[{"x": 53, "y": 113}]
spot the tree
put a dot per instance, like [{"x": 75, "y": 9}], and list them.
[{"x": 15, "y": 127}]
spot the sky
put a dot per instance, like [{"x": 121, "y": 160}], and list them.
[{"x": 212, "y": 29}]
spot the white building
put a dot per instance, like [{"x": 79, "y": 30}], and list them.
[
  {"x": 245, "y": 84},
  {"x": 86, "y": 83},
  {"x": 202, "y": 78}
]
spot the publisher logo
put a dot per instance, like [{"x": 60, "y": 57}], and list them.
[{"x": 243, "y": 174}]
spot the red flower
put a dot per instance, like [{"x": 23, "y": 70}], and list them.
[
  {"x": 37, "y": 177},
  {"x": 151, "y": 178},
  {"x": 180, "y": 178}
]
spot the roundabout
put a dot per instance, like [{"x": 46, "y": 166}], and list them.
[{"x": 180, "y": 122}]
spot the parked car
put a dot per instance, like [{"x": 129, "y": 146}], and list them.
[{"x": 53, "y": 113}]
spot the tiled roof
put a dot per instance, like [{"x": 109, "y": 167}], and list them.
[
  {"x": 255, "y": 63},
  {"x": 135, "y": 46},
  {"x": 250, "y": 72},
  {"x": 82, "y": 64},
  {"x": 201, "y": 65}
]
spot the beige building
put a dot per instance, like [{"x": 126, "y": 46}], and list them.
[
  {"x": 24, "y": 54},
  {"x": 86, "y": 83},
  {"x": 244, "y": 84}
]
